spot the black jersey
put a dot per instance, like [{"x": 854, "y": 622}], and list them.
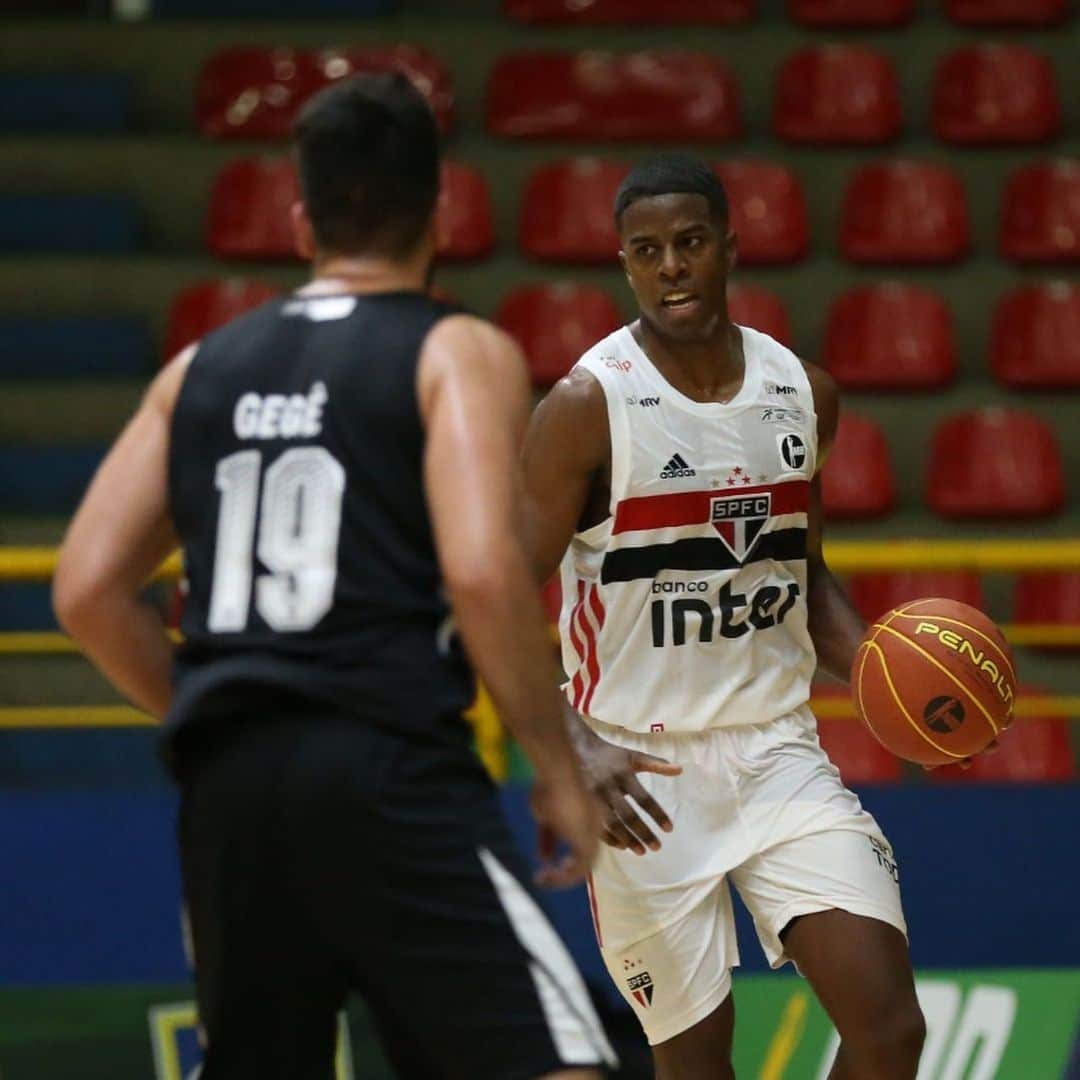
[{"x": 295, "y": 486}]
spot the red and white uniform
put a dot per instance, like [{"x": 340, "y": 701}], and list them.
[{"x": 684, "y": 634}]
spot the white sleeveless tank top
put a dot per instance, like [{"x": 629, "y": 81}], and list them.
[{"x": 686, "y": 608}]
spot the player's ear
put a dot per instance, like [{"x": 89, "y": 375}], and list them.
[
  {"x": 302, "y": 230},
  {"x": 625, "y": 264}
]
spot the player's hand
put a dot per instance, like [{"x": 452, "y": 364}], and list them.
[
  {"x": 611, "y": 774},
  {"x": 565, "y": 813},
  {"x": 965, "y": 763}
]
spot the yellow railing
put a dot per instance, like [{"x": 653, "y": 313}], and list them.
[{"x": 844, "y": 556}]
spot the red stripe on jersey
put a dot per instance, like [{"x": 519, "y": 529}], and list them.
[
  {"x": 595, "y": 910},
  {"x": 694, "y": 507},
  {"x": 577, "y": 684},
  {"x": 593, "y": 639}
]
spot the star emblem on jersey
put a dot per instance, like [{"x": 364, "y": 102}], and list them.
[{"x": 739, "y": 518}]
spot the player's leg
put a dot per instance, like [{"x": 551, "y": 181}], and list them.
[
  {"x": 268, "y": 996},
  {"x": 678, "y": 982},
  {"x": 415, "y": 880},
  {"x": 860, "y": 971},
  {"x": 830, "y": 902}
]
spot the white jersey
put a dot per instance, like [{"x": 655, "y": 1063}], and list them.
[{"x": 686, "y": 608}]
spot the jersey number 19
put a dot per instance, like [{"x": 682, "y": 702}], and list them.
[{"x": 299, "y": 525}]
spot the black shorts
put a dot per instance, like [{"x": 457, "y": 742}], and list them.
[{"x": 323, "y": 857}]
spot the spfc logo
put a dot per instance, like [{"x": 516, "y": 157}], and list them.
[
  {"x": 739, "y": 518},
  {"x": 641, "y": 987}
]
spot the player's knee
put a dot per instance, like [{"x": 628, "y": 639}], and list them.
[{"x": 892, "y": 1046}]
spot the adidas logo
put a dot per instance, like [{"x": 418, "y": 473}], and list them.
[{"x": 676, "y": 467}]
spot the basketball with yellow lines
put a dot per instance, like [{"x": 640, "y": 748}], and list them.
[{"x": 934, "y": 681}]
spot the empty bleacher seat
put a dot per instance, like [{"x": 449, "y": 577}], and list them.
[
  {"x": 61, "y": 103},
  {"x": 655, "y": 95},
  {"x": 250, "y": 210},
  {"x": 858, "y": 756},
  {"x": 1032, "y": 750},
  {"x": 851, "y": 13},
  {"x": 552, "y": 597},
  {"x": 614, "y": 12},
  {"x": 251, "y": 202},
  {"x": 889, "y": 337},
  {"x": 72, "y": 347},
  {"x": 995, "y": 94},
  {"x": 837, "y": 94},
  {"x": 875, "y": 593},
  {"x": 995, "y": 463},
  {"x": 857, "y": 480},
  {"x": 1040, "y": 216},
  {"x": 767, "y": 207},
  {"x": 45, "y": 479},
  {"x": 256, "y": 93},
  {"x": 555, "y": 324},
  {"x": 264, "y": 9},
  {"x": 205, "y": 306},
  {"x": 464, "y": 226},
  {"x": 1047, "y": 598},
  {"x": 749, "y": 305},
  {"x": 567, "y": 211},
  {"x": 58, "y": 224},
  {"x": 904, "y": 212},
  {"x": 1006, "y": 12},
  {"x": 1036, "y": 337}
]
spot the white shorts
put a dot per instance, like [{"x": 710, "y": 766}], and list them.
[{"x": 760, "y": 806}]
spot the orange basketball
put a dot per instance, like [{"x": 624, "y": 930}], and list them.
[{"x": 933, "y": 681}]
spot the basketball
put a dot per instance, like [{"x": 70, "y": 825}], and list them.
[{"x": 933, "y": 681}]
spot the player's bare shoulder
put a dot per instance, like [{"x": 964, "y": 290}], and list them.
[{"x": 574, "y": 417}]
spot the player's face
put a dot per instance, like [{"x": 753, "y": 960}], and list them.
[{"x": 676, "y": 257}]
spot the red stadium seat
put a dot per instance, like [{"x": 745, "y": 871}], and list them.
[
  {"x": 859, "y": 757},
  {"x": 252, "y": 198},
  {"x": 857, "y": 480},
  {"x": 761, "y": 310},
  {"x": 851, "y": 13},
  {"x": 904, "y": 212},
  {"x": 1006, "y": 12},
  {"x": 210, "y": 304},
  {"x": 995, "y": 463},
  {"x": 614, "y": 12},
  {"x": 876, "y": 593},
  {"x": 1036, "y": 339},
  {"x": 464, "y": 228},
  {"x": 1047, "y": 598},
  {"x": 837, "y": 94},
  {"x": 890, "y": 337},
  {"x": 555, "y": 324},
  {"x": 768, "y": 211},
  {"x": 250, "y": 207},
  {"x": 656, "y": 95},
  {"x": 1032, "y": 750},
  {"x": 1040, "y": 218},
  {"x": 256, "y": 93},
  {"x": 995, "y": 94},
  {"x": 567, "y": 211}
]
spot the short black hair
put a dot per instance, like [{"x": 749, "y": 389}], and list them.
[
  {"x": 368, "y": 150},
  {"x": 672, "y": 174}
]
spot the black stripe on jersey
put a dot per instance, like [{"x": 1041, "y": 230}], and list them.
[{"x": 699, "y": 553}]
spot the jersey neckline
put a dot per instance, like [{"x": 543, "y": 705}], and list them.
[{"x": 745, "y": 395}]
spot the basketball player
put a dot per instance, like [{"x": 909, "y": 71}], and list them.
[
  {"x": 340, "y": 468},
  {"x": 675, "y": 474}
]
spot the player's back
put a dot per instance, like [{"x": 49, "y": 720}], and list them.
[{"x": 296, "y": 490}]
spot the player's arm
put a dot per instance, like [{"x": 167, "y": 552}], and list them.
[
  {"x": 836, "y": 628},
  {"x": 118, "y": 537},
  {"x": 566, "y": 460},
  {"x": 474, "y": 397}
]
